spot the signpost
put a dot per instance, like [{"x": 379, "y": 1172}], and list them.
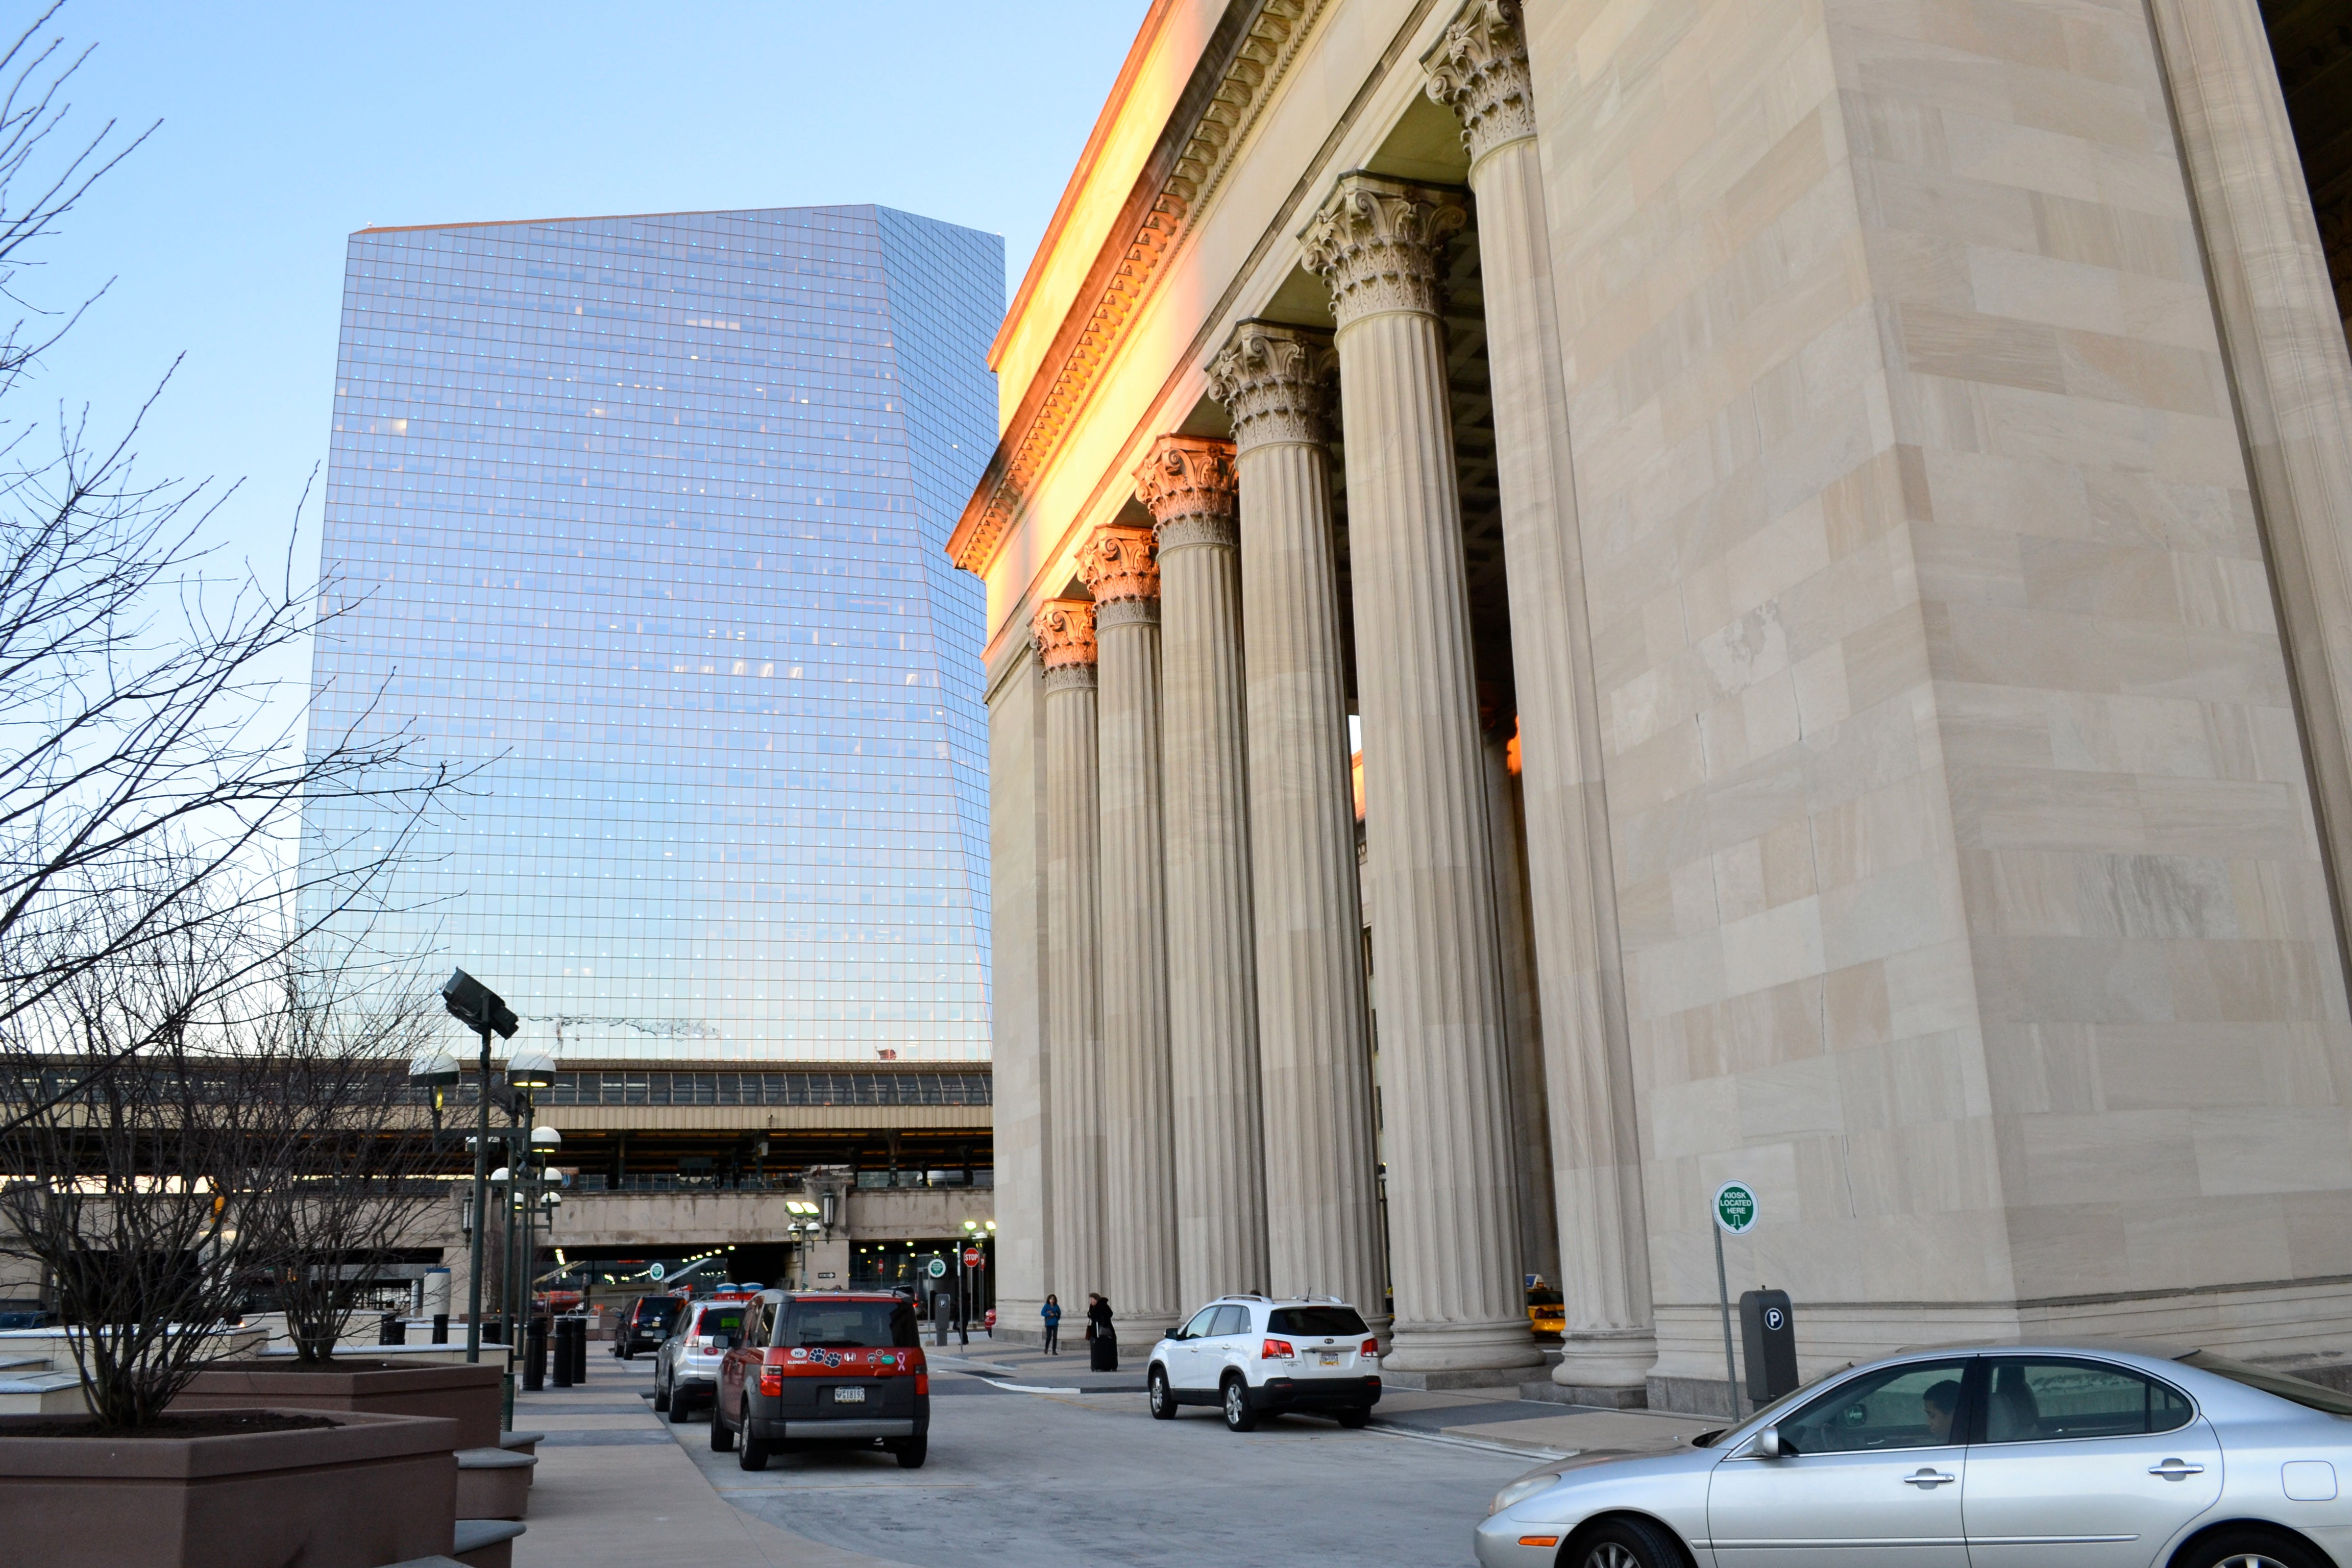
[{"x": 1735, "y": 1211}]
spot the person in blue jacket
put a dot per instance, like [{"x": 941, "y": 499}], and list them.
[{"x": 1052, "y": 1312}]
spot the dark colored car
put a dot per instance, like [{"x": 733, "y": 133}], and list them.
[
  {"x": 648, "y": 1321},
  {"x": 824, "y": 1369}
]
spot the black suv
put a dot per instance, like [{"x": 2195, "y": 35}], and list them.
[{"x": 645, "y": 1324}]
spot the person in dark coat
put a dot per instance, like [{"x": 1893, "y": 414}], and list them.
[
  {"x": 1051, "y": 1314},
  {"x": 1102, "y": 1339}
]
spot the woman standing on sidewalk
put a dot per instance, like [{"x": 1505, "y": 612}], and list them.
[{"x": 1052, "y": 1312}]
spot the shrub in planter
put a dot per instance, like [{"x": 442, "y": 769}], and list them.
[{"x": 227, "y": 1488}]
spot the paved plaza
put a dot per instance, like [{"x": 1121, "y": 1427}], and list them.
[{"x": 1033, "y": 1464}]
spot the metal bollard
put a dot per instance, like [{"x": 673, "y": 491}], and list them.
[
  {"x": 391, "y": 1331},
  {"x": 579, "y": 1352},
  {"x": 534, "y": 1360},
  {"x": 564, "y": 1330},
  {"x": 440, "y": 1328}
]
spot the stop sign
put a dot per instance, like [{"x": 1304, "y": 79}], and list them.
[{"x": 972, "y": 1257}]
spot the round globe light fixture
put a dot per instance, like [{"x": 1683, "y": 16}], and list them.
[{"x": 531, "y": 1068}]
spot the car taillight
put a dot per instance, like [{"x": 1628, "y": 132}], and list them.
[
  {"x": 1277, "y": 1349},
  {"x": 1372, "y": 1348},
  {"x": 772, "y": 1380},
  {"x": 922, "y": 1385}
]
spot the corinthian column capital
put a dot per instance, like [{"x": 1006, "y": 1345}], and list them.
[
  {"x": 1121, "y": 565},
  {"x": 1479, "y": 70},
  {"x": 1186, "y": 485},
  {"x": 1272, "y": 379},
  {"x": 1377, "y": 242},
  {"x": 1064, "y": 633}
]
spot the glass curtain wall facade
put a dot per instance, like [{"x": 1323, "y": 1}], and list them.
[{"x": 642, "y": 519}]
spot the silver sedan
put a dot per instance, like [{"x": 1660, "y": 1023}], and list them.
[{"x": 2023, "y": 1456}]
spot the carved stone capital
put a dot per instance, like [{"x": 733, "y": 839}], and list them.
[
  {"x": 1379, "y": 244},
  {"x": 1064, "y": 633},
  {"x": 1188, "y": 479},
  {"x": 1120, "y": 564},
  {"x": 1479, "y": 70},
  {"x": 1273, "y": 380}
]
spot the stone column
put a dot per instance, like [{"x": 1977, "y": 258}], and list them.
[
  {"x": 1187, "y": 483},
  {"x": 1452, "y": 1213},
  {"x": 1323, "y": 1236},
  {"x": 1522, "y": 1015},
  {"x": 1480, "y": 70},
  {"x": 1139, "y": 1137},
  {"x": 2284, "y": 345},
  {"x": 1065, "y": 633}
]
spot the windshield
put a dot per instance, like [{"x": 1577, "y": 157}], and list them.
[
  {"x": 730, "y": 1322},
  {"x": 656, "y": 1309},
  {"x": 845, "y": 1325},
  {"x": 1769, "y": 1414},
  {"x": 2310, "y": 1396},
  {"x": 1305, "y": 1320}
]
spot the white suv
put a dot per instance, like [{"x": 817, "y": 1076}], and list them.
[{"x": 1252, "y": 1356}]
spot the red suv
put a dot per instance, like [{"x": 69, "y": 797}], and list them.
[{"x": 824, "y": 1369}]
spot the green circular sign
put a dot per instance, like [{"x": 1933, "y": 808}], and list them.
[
  {"x": 936, "y": 1267},
  {"x": 1735, "y": 1207},
  {"x": 655, "y": 1273}
]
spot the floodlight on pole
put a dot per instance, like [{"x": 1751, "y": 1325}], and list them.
[
  {"x": 530, "y": 1069},
  {"x": 485, "y": 1012}
]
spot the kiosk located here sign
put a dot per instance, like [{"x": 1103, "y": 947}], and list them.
[{"x": 1735, "y": 1207}]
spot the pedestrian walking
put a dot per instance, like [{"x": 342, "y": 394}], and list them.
[
  {"x": 1052, "y": 1312},
  {"x": 1102, "y": 1339}
]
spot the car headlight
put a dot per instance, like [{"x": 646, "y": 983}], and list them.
[{"x": 1519, "y": 1491}]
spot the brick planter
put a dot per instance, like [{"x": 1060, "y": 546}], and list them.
[
  {"x": 369, "y": 1490},
  {"x": 457, "y": 1392}
]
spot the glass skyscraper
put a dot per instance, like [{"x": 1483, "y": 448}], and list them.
[{"x": 643, "y": 520}]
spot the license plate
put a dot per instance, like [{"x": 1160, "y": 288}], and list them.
[
  {"x": 1330, "y": 1358},
  {"x": 849, "y": 1397}
]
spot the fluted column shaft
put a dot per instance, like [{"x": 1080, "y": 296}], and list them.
[
  {"x": 2288, "y": 362},
  {"x": 1314, "y": 1047},
  {"x": 1138, "y": 1138},
  {"x": 1066, "y": 639},
  {"x": 1453, "y": 1210},
  {"x": 1187, "y": 484},
  {"x": 1480, "y": 69}
]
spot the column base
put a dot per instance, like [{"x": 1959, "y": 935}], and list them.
[
  {"x": 1617, "y": 1359},
  {"x": 1448, "y": 1348}
]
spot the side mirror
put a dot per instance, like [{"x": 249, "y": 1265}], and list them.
[{"x": 1766, "y": 1445}]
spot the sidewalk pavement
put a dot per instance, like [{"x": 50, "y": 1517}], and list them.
[{"x": 613, "y": 1486}]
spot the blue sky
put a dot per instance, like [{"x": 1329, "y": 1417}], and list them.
[{"x": 288, "y": 126}]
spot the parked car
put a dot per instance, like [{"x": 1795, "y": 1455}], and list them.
[
  {"x": 1252, "y": 1356},
  {"x": 645, "y": 1324},
  {"x": 686, "y": 1368},
  {"x": 824, "y": 1369},
  {"x": 2065, "y": 1456}
]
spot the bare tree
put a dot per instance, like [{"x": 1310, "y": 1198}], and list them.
[
  {"x": 128, "y": 1187},
  {"x": 332, "y": 1073},
  {"x": 143, "y": 744}
]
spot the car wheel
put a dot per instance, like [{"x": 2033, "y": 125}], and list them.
[
  {"x": 1162, "y": 1397},
  {"x": 2248, "y": 1549},
  {"x": 1625, "y": 1543},
  {"x": 750, "y": 1453},
  {"x": 661, "y": 1397},
  {"x": 1352, "y": 1419},
  {"x": 722, "y": 1436},
  {"x": 912, "y": 1452},
  {"x": 1239, "y": 1416},
  {"x": 678, "y": 1411}
]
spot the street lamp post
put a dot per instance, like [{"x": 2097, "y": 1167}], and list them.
[{"x": 482, "y": 1010}]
